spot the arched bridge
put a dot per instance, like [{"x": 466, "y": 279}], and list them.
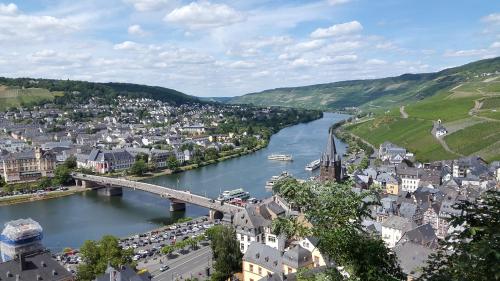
[{"x": 178, "y": 198}]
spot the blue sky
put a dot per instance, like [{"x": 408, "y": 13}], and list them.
[{"x": 228, "y": 48}]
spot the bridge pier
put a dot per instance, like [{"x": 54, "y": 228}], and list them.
[
  {"x": 110, "y": 191},
  {"x": 176, "y": 205}
]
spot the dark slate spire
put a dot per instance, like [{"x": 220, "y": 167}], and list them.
[{"x": 330, "y": 155}]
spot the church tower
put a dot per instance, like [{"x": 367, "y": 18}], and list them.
[{"x": 330, "y": 163}]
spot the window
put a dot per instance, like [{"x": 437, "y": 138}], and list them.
[
  {"x": 289, "y": 270},
  {"x": 250, "y": 266},
  {"x": 271, "y": 239},
  {"x": 260, "y": 270}
]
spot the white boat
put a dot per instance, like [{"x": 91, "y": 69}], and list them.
[
  {"x": 229, "y": 195},
  {"x": 280, "y": 157},
  {"x": 313, "y": 165},
  {"x": 274, "y": 179}
]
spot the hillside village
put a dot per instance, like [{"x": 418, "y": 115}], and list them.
[
  {"x": 416, "y": 202},
  {"x": 109, "y": 138}
]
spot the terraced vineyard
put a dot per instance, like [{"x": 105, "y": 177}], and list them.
[
  {"x": 16, "y": 96},
  {"x": 470, "y": 112}
]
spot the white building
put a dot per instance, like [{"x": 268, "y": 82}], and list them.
[{"x": 393, "y": 228}]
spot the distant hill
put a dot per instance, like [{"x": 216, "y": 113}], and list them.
[
  {"x": 217, "y": 99},
  {"x": 28, "y": 91},
  {"x": 469, "y": 111},
  {"x": 374, "y": 93}
]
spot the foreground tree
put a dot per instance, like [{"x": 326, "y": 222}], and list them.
[
  {"x": 62, "y": 175},
  {"x": 226, "y": 252},
  {"x": 333, "y": 213},
  {"x": 97, "y": 255},
  {"x": 473, "y": 251},
  {"x": 139, "y": 168}
]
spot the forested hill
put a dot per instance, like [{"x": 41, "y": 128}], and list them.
[
  {"x": 29, "y": 91},
  {"x": 374, "y": 93}
]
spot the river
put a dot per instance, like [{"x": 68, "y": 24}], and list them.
[{"x": 69, "y": 221}]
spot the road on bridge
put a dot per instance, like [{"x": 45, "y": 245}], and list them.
[{"x": 170, "y": 193}]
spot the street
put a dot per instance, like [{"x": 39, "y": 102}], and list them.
[{"x": 186, "y": 266}]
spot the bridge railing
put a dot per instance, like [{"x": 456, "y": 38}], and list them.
[{"x": 163, "y": 191}]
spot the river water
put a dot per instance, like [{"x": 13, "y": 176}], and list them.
[{"x": 69, "y": 221}]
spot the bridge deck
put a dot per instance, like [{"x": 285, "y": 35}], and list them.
[{"x": 170, "y": 193}]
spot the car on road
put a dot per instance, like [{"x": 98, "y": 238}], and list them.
[{"x": 164, "y": 268}]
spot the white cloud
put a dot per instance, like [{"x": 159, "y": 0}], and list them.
[
  {"x": 492, "y": 18},
  {"x": 8, "y": 9},
  {"x": 47, "y": 53},
  {"x": 338, "y": 59},
  {"x": 306, "y": 46},
  {"x": 338, "y": 2},
  {"x": 127, "y": 45},
  {"x": 465, "y": 53},
  {"x": 301, "y": 62},
  {"x": 136, "y": 30},
  {"x": 376, "y": 62},
  {"x": 495, "y": 45},
  {"x": 338, "y": 47},
  {"x": 242, "y": 64},
  {"x": 204, "y": 15},
  {"x": 147, "y": 5},
  {"x": 337, "y": 29}
]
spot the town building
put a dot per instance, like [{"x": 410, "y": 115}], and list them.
[
  {"x": 28, "y": 165},
  {"x": 104, "y": 161},
  {"x": 123, "y": 273},
  {"x": 34, "y": 266}
]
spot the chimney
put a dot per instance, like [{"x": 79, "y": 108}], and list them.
[
  {"x": 18, "y": 278},
  {"x": 54, "y": 272}
]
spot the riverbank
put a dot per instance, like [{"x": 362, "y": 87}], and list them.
[
  {"x": 18, "y": 199},
  {"x": 195, "y": 166}
]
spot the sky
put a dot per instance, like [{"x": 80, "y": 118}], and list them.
[{"x": 230, "y": 48}]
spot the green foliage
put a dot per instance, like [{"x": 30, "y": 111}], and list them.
[
  {"x": 70, "y": 162},
  {"x": 474, "y": 253},
  {"x": 142, "y": 156},
  {"x": 67, "y": 92},
  {"x": 139, "y": 168},
  {"x": 97, "y": 255},
  {"x": 385, "y": 92},
  {"x": 413, "y": 134},
  {"x": 226, "y": 252},
  {"x": 335, "y": 214},
  {"x": 485, "y": 134},
  {"x": 172, "y": 163},
  {"x": 62, "y": 175}
]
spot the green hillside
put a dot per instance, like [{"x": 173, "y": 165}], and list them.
[
  {"x": 13, "y": 96},
  {"x": 371, "y": 94},
  {"x": 470, "y": 111},
  {"x": 28, "y": 91}
]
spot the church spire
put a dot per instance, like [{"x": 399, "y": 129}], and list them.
[{"x": 331, "y": 149}]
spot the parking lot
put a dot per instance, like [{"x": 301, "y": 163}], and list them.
[{"x": 180, "y": 264}]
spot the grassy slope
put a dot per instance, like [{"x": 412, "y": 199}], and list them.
[
  {"x": 452, "y": 107},
  {"x": 371, "y": 94},
  {"x": 15, "y": 96}
]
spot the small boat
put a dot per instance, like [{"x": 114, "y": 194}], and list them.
[
  {"x": 229, "y": 195},
  {"x": 274, "y": 179},
  {"x": 280, "y": 157},
  {"x": 313, "y": 165}
]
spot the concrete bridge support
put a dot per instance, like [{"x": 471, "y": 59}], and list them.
[
  {"x": 176, "y": 205},
  {"x": 110, "y": 191}
]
